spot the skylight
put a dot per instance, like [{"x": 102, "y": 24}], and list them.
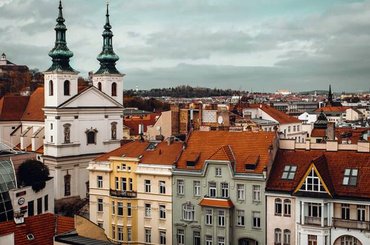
[
  {"x": 350, "y": 176},
  {"x": 289, "y": 172}
]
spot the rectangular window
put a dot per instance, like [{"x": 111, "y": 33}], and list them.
[
  {"x": 39, "y": 205},
  {"x": 148, "y": 235},
  {"x": 129, "y": 234},
  {"x": 129, "y": 210},
  {"x": 130, "y": 183},
  {"x": 100, "y": 181},
  {"x": 120, "y": 208},
  {"x": 256, "y": 216},
  {"x": 221, "y": 240},
  {"x": 123, "y": 184},
  {"x": 256, "y": 193},
  {"x": 221, "y": 218},
  {"x": 240, "y": 191},
  {"x": 123, "y": 166},
  {"x": 120, "y": 233},
  {"x": 287, "y": 207},
  {"x": 147, "y": 185},
  {"x": 31, "y": 208},
  {"x": 180, "y": 237},
  {"x": 350, "y": 176},
  {"x": 345, "y": 211},
  {"x": 116, "y": 183},
  {"x": 224, "y": 190},
  {"x": 289, "y": 172},
  {"x": 46, "y": 203},
  {"x": 314, "y": 210},
  {"x": 113, "y": 207},
  {"x": 162, "y": 237},
  {"x": 162, "y": 187},
  {"x": 208, "y": 217},
  {"x": 209, "y": 240},
  {"x": 100, "y": 205},
  {"x": 196, "y": 235},
  {"x": 312, "y": 240},
  {"x": 240, "y": 218},
  {"x": 212, "y": 189},
  {"x": 148, "y": 210},
  {"x": 218, "y": 172},
  {"x": 196, "y": 184},
  {"x": 361, "y": 212},
  {"x": 162, "y": 211},
  {"x": 180, "y": 187}
]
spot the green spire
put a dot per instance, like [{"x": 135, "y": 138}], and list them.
[
  {"x": 107, "y": 57},
  {"x": 60, "y": 54}
]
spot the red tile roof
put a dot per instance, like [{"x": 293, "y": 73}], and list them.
[
  {"x": 228, "y": 146},
  {"x": 34, "y": 110},
  {"x": 64, "y": 224},
  {"x": 332, "y": 109},
  {"x": 12, "y": 107},
  {"x": 42, "y": 227},
  {"x": 217, "y": 203},
  {"x": 163, "y": 153},
  {"x": 279, "y": 116},
  {"x": 133, "y": 123},
  {"x": 318, "y": 132},
  {"x": 331, "y": 167}
]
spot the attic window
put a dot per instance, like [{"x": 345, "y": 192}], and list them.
[
  {"x": 151, "y": 146},
  {"x": 350, "y": 176},
  {"x": 289, "y": 172},
  {"x": 251, "y": 162},
  {"x": 30, "y": 237},
  {"x": 192, "y": 159}
]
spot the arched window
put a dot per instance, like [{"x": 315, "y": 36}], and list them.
[
  {"x": 286, "y": 237},
  {"x": 278, "y": 206},
  {"x": 67, "y": 133},
  {"x": 99, "y": 86},
  {"x": 67, "y": 85},
  {"x": 114, "y": 130},
  {"x": 277, "y": 236},
  {"x": 114, "y": 89},
  {"x": 51, "y": 88},
  {"x": 91, "y": 136},
  {"x": 347, "y": 240},
  {"x": 67, "y": 185},
  {"x": 188, "y": 212},
  {"x": 287, "y": 207}
]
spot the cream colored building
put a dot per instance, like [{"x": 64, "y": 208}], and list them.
[{"x": 131, "y": 192}]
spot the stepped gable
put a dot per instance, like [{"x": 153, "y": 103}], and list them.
[{"x": 235, "y": 146}]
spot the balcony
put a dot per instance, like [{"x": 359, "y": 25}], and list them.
[
  {"x": 118, "y": 193},
  {"x": 351, "y": 224},
  {"x": 314, "y": 220}
]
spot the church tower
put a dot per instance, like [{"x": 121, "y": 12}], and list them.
[
  {"x": 60, "y": 80},
  {"x": 108, "y": 79}
]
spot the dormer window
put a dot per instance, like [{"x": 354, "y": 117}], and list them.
[
  {"x": 312, "y": 183},
  {"x": 350, "y": 176},
  {"x": 289, "y": 172}
]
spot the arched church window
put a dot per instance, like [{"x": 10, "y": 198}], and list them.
[
  {"x": 67, "y": 85},
  {"x": 67, "y": 185},
  {"x": 114, "y": 89},
  {"x": 99, "y": 86},
  {"x": 91, "y": 136},
  {"x": 67, "y": 133},
  {"x": 51, "y": 88},
  {"x": 114, "y": 130}
]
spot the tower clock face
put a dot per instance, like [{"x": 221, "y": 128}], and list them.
[{"x": 21, "y": 201}]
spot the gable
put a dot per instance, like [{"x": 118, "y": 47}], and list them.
[
  {"x": 312, "y": 181},
  {"x": 92, "y": 98}
]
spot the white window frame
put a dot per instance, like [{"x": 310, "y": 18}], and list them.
[
  {"x": 208, "y": 217},
  {"x": 99, "y": 181},
  {"x": 162, "y": 211},
  {"x": 221, "y": 218},
  {"x": 196, "y": 184},
  {"x": 212, "y": 188},
  {"x": 240, "y": 218},
  {"x": 256, "y": 193},
  {"x": 218, "y": 172},
  {"x": 240, "y": 192},
  {"x": 224, "y": 190},
  {"x": 147, "y": 186},
  {"x": 162, "y": 187},
  {"x": 180, "y": 186},
  {"x": 148, "y": 210}
]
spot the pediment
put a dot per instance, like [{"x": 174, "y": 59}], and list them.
[{"x": 91, "y": 98}]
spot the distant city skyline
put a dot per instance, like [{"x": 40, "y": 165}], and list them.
[{"x": 249, "y": 45}]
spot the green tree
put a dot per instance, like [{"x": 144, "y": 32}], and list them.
[{"x": 33, "y": 173}]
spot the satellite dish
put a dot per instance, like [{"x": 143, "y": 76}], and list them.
[{"x": 220, "y": 119}]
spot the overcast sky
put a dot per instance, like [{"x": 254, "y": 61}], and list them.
[{"x": 259, "y": 45}]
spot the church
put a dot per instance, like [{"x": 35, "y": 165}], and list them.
[{"x": 68, "y": 126}]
